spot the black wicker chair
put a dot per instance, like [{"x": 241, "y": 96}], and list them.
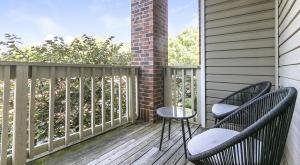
[
  {"x": 229, "y": 104},
  {"x": 254, "y": 134}
]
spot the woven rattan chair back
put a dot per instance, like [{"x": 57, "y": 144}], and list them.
[
  {"x": 248, "y": 93},
  {"x": 263, "y": 125}
]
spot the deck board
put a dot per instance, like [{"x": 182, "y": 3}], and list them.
[
  {"x": 132, "y": 144},
  {"x": 143, "y": 148},
  {"x": 175, "y": 150}
]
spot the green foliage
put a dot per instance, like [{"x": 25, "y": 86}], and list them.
[
  {"x": 184, "y": 48},
  {"x": 187, "y": 94},
  {"x": 82, "y": 50}
]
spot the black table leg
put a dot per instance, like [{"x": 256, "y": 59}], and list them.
[
  {"x": 183, "y": 137},
  {"x": 162, "y": 133},
  {"x": 169, "y": 128},
  {"x": 188, "y": 125}
]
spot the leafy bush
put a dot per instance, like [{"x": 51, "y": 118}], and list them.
[
  {"x": 82, "y": 50},
  {"x": 184, "y": 48}
]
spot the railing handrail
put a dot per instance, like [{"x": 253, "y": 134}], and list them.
[
  {"x": 90, "y": 65},
  {"x": 184, "y": 66},
  {"x": 14, "y": 63}
]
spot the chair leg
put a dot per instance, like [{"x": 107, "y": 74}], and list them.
[
  {"x": 183, "y": 137},
  {"x": 216, "y": 120},
  {"x": 189, "y": 128},
  {"x": 162, "y": 133},
  {"x": 169, "y": 128}
]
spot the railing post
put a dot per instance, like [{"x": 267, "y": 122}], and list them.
[
  {"x": 32, "y": 112},
  {"x": 200, "y": 113},
  {"x": 174, "y": 80},
  {"x": 132, "y": 96},
  {"x": 127, "y": 95},
  {"x": 81, "y": 102},
  {"x": 5, "y": 115},
  {"x": 120, "y": 97},
  {"x": 68, "y": 107},
  {"x": 93, "y": 101},
  {"x": 112, "y": 89},
  {"x": 19, "y": 152},
  {"x": 103, "y": 100},
  {"x": 51, "y": 109},
  {"x": 168, "y": 87},
  {"x": 193, "y": 93},
  {"x": 136, "y": 90}
]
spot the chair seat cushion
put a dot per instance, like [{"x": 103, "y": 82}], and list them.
[
  {"x": 216, "y": 136},
  {"x": 209, "y": 139},
  {"x": 219, "y": 109}
]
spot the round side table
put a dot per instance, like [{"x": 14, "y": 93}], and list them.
[{"x": 173, "y": 112}]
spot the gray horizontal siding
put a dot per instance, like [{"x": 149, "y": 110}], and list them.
[
  {"x": 248, "y": 35},
  {"x": 292, "y": 151},
  {"x": 290, "y": 58},
  {"x": 288, "y": 19},
  {"x": 262, "y": 15},
  {"x": 242, "y": 62},
  {"x": 242, "y": 10},
  {"x": 217, "y": 93},
  {"x": 243, "y": 27},
  {"x": 251, "y": 71},
  {"x": 239, "y": 46},
  {"x": 231, "y": 5},
  {"x": 289, "y": 69},
  {"x": 238, "y": 78},
  {"x": 258, "y": 52}
]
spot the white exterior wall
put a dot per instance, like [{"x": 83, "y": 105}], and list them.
[{"x": 289, "y": 68}]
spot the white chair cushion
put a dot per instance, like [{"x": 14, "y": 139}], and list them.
[
  {"x": 215, "y": 136},
  {"x": 219, "y": 109},
  {"x": 209, "y": 139}
]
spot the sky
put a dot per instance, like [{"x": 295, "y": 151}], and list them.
[{"x": 37, "y": 20}]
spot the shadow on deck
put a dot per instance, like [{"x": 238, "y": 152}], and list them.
[{"x": 131, "y": 144}]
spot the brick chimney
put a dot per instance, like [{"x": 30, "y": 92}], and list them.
[{"x": 149, "y": 46}]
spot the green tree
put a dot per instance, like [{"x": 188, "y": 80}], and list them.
[
  {"x": 184, "y": 48},
  {"x": 82, "y": 50}
]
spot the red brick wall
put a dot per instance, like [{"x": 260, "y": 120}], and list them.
[{"x": 149, "y": 45}]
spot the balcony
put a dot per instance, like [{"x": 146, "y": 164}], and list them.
[
  {"x": 88, "y": 109},
  {"x": 242, "y": 42}
]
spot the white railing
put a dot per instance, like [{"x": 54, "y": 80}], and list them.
[
  {"x": 105, "y": 98},
  {"x": 182, "y": 87}
]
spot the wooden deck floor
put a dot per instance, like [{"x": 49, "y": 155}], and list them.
[{"x": 131, "y": 144}]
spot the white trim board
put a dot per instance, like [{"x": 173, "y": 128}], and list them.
[{"x": 203, "y": 65}]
